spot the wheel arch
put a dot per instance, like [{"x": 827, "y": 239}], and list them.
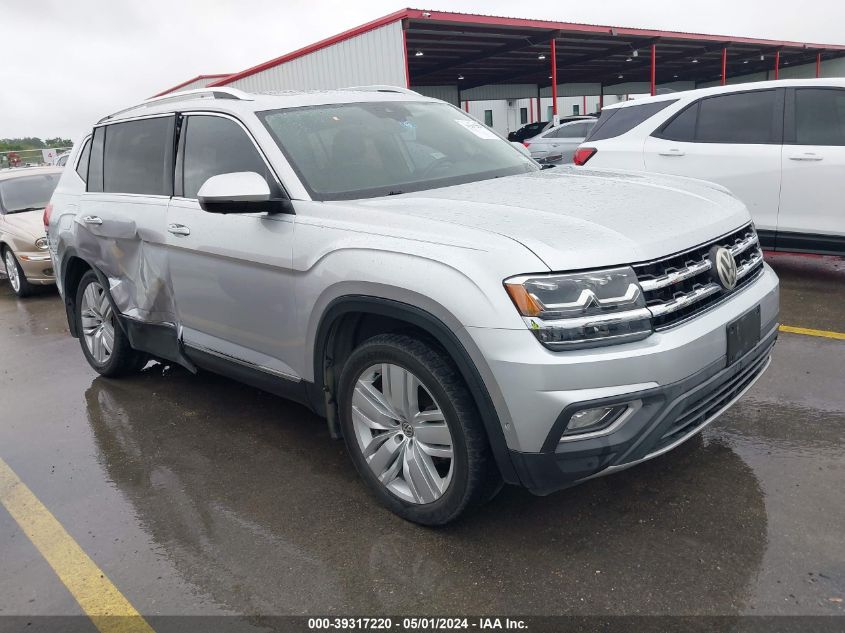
[{"x": 339, "y": 330}]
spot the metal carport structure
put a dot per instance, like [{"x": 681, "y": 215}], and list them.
[{"x": 457, "y": 56}]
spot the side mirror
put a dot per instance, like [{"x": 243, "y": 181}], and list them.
[
  {"x": 239, "y": 192},
  {"x": 522, "y": 148}
]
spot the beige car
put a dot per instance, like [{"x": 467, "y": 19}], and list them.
[{"x": 24, "y": 192}]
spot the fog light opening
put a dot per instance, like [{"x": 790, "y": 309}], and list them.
[{"x": 597, "y": 420}]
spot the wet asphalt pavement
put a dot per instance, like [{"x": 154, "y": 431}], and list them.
[{"x": 198, "y": 495}]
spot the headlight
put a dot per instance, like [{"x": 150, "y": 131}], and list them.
[
  {"x": 42, "y": 243},
  {"x": 587, "y": 309}
]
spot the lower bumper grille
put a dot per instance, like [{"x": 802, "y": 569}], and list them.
[{"x": 703, "y": 407}]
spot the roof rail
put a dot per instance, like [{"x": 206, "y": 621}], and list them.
[
  {"x": 383, "y": 88},
  {"x": 199, "y": 93}
]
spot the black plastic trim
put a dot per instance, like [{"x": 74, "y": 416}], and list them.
[
  {"x": 561, "y": 465},
  {"x": 440, "y": 332},
  {"x": 810, "y": 243},
  {"x": 296, "y": 390}
]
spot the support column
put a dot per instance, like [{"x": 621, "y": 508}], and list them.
[
  {"x": 724, "y": 65},
  {"x": 531, "y": 109},
  {"x": 653, "y": 69},
  {"x": 466, "y": 106},
  {"x": 539, "y": 105},
  {"x": 556, "y": 118},
  {"x": 818, "y": 65},
  {"x": 777, "y": 64},
  {"x": 601, "y": 97}
]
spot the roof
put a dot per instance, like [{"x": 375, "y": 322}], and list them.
[
  {"x": 233, "y": 100},
  {"x": 704, "y": 92},
  {"x": 488, "y": 49}
]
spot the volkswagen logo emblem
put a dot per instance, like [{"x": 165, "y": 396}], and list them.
[{"x": 723, "y": 267}]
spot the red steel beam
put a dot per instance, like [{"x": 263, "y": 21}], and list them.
[
  {"x": 653, "y": 69},
  {"x": 724, "y": 65},
  {"x": 777, "y": 64},
  {"x": 554, "y": 78},
  {"x": 405, "y": 55}
]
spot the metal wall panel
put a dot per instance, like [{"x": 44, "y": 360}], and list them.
[
  {"x": 374, "y": 57},
  {"x": 573, "y": 90},
  {"x": 199, "y": 83},
  {"x": 446, "y": 93},
  {"x": 493, "y": 92}
]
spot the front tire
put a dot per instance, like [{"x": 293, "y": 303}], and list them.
[
  {"x": 17, "y": 278},
  {"x": 104, "y": 344},
  {"x": 412, "y": 430}
]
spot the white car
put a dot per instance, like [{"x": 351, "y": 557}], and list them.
[
  {"x": 779, "y": 146},
  {"x": 555, "y": 145}
]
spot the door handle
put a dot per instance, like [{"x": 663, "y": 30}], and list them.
[
  {"x": 178, "y": 229},
  {"x": 92, "y": 219},
  {"x": 671, "y": 152},
  {"x": 807, "y": 156}
]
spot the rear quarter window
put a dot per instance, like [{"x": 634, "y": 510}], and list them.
[{"x": 618, "y": 121}]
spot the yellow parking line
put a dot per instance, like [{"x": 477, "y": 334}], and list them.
[
  {"x": 101, "y": 601},
  {"x": 810, "y": 332}
]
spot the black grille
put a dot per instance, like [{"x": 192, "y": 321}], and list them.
[
  {"x": 701, "y": 408},
  {"x": 680, "y": 262}
]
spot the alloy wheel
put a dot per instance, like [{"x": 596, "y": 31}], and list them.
[
  {"x": 12, "y": 271},
  {"x": 402, "y": 433},
  {"x": 97, "y": 322}
]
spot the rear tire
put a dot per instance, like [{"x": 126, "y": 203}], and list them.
[
  {"x": 104, "y": 344},
  {"x": 412, "y": 430},
  {"x": 17, "y": 278}
]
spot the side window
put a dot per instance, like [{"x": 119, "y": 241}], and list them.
[
  {"x": 82, "y": 163},
  {"x": 617, "y": 121},
  {"x": 95, "y": 164},
  {"x": 819, "y": 116},
  {"x": 523, "y": 116},
  {"x": 746, "y": 117},
  {"x": 216, "y": 145},
  {"x": 574, "y": 130},
  {"x": 138, "y": 157},
  {"x": 682, "y": 127}
]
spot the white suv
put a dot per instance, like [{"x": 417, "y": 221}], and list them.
[
  {"x": 777, "y": 145},
  {"x": 458, "y": 315}
]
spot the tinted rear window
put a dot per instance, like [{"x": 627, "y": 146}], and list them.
[
  {"x": 138, "y": 157},
  {"x": 820, "y": 116},
  {"x": 745, "y": 117},
  {"x": 618, "y": 121},
  {"x": 82, "y": 165}
]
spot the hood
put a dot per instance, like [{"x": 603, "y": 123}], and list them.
[
  {"x": 27, "y": 223},
  {"x": 575, "y": 217}
]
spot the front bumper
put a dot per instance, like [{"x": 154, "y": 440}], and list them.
[
  {"x": 667, "y": 417},
  {"x": 535, "y": 390},
  {"x": 37, "y": 267}
]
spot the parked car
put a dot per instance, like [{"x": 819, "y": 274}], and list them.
[
  {"x": 460, "y": 316},
  {"x": 23, "y": 244},
  {"x": 61, "y": 159},
  {"x": 533, "y": 129},
  {"x": 777, "y": 145},
  {"x": 556, "y": 145},
  {"x": 527, "y": 131}
]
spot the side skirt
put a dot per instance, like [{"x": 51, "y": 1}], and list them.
[{"x": 296, "y": 390}]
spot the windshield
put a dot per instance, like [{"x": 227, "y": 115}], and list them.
[
  {"x": 364, "y": 150},
  {"x": 27, "y": 193}
]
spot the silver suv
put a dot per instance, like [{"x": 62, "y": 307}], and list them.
[{"x": 460, "y": 316}]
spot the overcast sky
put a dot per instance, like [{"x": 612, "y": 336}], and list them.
[{"x": 67, "y": 63}]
